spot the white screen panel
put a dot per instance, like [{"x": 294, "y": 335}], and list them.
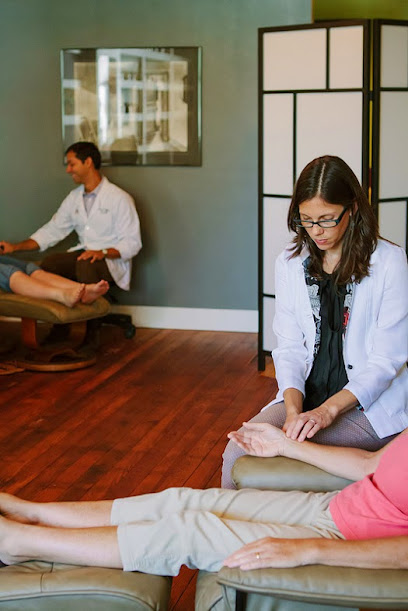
[
  {"x": 275, "y": 235},
  {"x": 394, "y": 56},
  {"x": 329, "y": 124},
  {"x": 346, "y": 57},
  {"x": 269, "y": 337},
  {"x": 295, "y": 60},
  {"x": 392, "y": 218},
  {"x": 278, "y": 143},
  {"x": 393, "y": 174}
]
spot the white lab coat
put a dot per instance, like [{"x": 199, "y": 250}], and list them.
[
  {"x": 112, "y": 223},
  {"x": 375, "y": 348}
]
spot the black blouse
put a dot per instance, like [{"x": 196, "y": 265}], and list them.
[{"x": 328, "y": 374}]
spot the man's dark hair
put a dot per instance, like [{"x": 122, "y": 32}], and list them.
[{"x": 83, "y": 150}]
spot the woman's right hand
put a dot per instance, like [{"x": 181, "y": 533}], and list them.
[
  {"x": 259, "y": 439},
  {"x": 290, "y": 421}
]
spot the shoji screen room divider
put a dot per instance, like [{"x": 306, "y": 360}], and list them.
[{"x": 338, "y": 88}]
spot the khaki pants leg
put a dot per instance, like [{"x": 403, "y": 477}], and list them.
[{"x": 157, "y": 533}]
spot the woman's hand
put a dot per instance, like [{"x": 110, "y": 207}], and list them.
[
  {"x": 259, "y": 439},
  {"x": 290, "y": 421},
  {"x": 272, "y": 553},
  {"x": 307, "y": 424}
]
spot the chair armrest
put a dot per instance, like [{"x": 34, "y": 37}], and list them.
[
  {"x": 281, "y": 473},
  {"x": 317, "y": 584}
]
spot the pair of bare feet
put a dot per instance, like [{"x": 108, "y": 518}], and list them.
[
  {"x": 13, "y": 513},
  {"x": 83, "y": 293}
]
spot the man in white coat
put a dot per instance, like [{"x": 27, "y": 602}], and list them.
[{"x": 104, "y": 218}]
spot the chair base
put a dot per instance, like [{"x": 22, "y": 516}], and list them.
[
  {"x": 124, "y": 321},
  {"x": 64, "y": 356},
  {"x": 60, "y": 360}
]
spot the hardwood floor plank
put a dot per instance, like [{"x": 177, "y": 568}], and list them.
[{"x": 153, "y": 412}]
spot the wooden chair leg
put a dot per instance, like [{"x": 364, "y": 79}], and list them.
[{"x": 29, "y": 333}]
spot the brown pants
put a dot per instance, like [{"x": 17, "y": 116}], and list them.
[{"x": 66, "y": 264}]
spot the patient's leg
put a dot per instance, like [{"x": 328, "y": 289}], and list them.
[
  {"x": 83, "y": 546},
  {"x": 65, "y": 515},
  {"x": 90, "y": 293},
  {"x": 30, "y": 286},
  {"x": 53, "y": 279}
]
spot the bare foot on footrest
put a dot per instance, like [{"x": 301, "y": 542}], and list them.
[{"x": 93, "y": 291}]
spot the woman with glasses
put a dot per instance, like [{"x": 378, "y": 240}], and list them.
[{"x": 341, "y": 320}]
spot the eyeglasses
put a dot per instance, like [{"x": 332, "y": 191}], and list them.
[{"x": 325, "y": 223}]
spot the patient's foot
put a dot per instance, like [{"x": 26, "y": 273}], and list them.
[
  {"x": 16, "y": 509},
  {"x": 10, "y": 533},
  {"x": 70, "y": 297},
  {"x": 93, "y": 291}
]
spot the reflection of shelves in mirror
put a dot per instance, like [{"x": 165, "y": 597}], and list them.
[
  {"x": 150, "y": 116},
  {"x": 129, "y": 84},
  {"x": 71, "y": 83},
  {"x": 72, "y": 119}
]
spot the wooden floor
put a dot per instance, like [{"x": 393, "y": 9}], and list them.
[{"x": 153, "y": 412}]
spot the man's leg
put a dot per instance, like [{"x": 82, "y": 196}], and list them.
[
  {"x": 62, "y": 263},
  {"x": 89, "y": 273}
]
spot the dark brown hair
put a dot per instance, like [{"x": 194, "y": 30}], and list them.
[
  {"x": 330, "y": 178},
  {"x": 83, "y": 150}
]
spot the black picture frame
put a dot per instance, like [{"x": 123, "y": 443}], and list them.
[{"x": 139, "y": 105}]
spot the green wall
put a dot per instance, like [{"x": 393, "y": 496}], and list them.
[
  {"x": 199, "y": 224},
  {"x": 360, "y": 9}
]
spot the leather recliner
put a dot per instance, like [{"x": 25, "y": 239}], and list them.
[{"x": 307, "y": 588}]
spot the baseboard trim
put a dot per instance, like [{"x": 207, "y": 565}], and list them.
[{"x": 199, "y": 319}]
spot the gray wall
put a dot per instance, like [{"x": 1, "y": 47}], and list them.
[{"x": 199, "y": 224}]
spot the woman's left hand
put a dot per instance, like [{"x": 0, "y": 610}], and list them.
[
  {"x": 272, "y": 553},
  {"x": 307, "y": 424}
]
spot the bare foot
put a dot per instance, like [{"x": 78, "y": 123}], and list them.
[
  {"x": 71, "y": 297},
  {"x": 8, "y": 532},
  {"x": 16, "y": 509},
  {"x": 93, "y": 291}
]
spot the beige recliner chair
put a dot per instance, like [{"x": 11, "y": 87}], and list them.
[
  {"x": 308, "y": 588},
  {"x": 44, "y": 586}
]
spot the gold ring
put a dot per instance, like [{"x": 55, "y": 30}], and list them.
[{"x": 257, "y": 555}]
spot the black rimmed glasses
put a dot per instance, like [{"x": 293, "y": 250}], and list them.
[{"x": 325, "y": 223}]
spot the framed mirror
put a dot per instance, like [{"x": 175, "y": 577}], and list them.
[{"x": 140, "y": 106}]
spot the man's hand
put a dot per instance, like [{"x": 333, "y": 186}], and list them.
[
  {"x": 6, "y": 248},
  {"x": 259, "y": 439},
  {"x": 92, "y": 255},
  {"x": 272, "y": 553}
]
